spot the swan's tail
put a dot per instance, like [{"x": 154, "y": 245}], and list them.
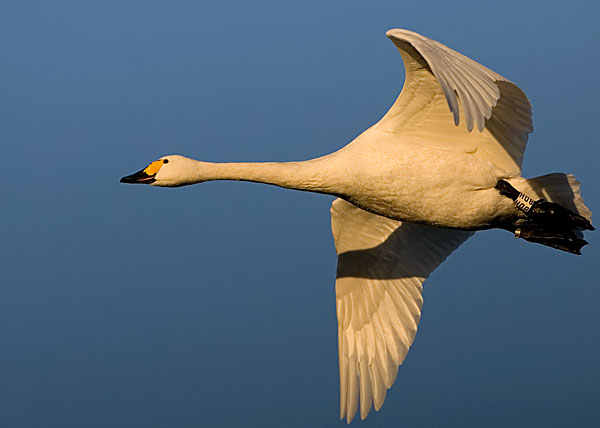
[{"x": 556, "y": 212}]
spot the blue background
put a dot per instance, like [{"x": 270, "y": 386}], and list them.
[{"x": 213, "y": 305}]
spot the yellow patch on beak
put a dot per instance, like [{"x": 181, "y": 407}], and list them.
[{"x": 153, "y": 168}]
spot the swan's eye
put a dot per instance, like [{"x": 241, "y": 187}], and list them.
[{"x": 165, "y": 160}]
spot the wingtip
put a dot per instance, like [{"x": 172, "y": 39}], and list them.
[
  {"x": 396, "y": 32},
  {"x": 390, "y": 33}
]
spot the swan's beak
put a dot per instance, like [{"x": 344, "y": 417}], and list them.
[
  {"x": 145, "y": 176},
  {"x": 139, "y": 177}
]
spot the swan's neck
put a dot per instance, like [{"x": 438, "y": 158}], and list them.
[{"x": 316, "y": 175}]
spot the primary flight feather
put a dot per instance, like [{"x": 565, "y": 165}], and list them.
[{"x": 443, "y": 162}]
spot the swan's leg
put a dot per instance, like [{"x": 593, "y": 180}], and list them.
[{"x": 546, "y": 223}]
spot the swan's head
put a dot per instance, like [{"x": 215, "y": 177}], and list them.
[{"x": 168, "y": 171}]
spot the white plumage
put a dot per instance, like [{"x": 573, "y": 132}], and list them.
[
  {"x": 411, "y": 189},
  {"x": 382, "y": 264}
]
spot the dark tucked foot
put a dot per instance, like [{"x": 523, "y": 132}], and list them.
[
  {"x": 546, "y": 223},
  {"x": 561, "y": 240},
  {"x": 544, "y": 212},
  {"x": 549, "y": 212}
]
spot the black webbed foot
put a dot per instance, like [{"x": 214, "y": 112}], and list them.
[
  {"x": 546, "y": 223},
  {"x": 543, "y": 212},
  {"x": 561, "y": 240},
  {"x": 549, "y": 212}
]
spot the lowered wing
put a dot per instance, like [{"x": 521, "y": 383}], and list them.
[{"x": 382, "y": 264}]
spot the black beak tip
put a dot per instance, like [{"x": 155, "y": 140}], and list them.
[
  {"x": 130, "y": 179},
  {"x": 139, "y": 177}
]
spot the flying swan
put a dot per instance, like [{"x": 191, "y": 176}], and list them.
[{"x": 443, "y": 162}]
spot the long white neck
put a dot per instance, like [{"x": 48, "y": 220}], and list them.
[{"x": 316, "y": 175}]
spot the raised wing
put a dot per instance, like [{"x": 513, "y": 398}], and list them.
[
  {"x": 446, "y": 95},
  {"x": 382, "y": 264}
]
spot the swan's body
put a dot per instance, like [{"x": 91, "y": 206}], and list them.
[
  {"x": 413, "y": 183},
  {"x": 412, "y": 188}
]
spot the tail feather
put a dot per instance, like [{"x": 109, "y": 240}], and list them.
[{"x": 559, "y": 188}]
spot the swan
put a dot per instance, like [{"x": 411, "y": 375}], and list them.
[{"x": 442, "y": 163}]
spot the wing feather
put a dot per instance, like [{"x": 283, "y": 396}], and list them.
[
  {"x": 442, "y": 87},
  {"x": 382, "y": 264}
]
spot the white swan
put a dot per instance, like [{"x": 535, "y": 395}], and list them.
[{"x": 443, "y": 162}]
